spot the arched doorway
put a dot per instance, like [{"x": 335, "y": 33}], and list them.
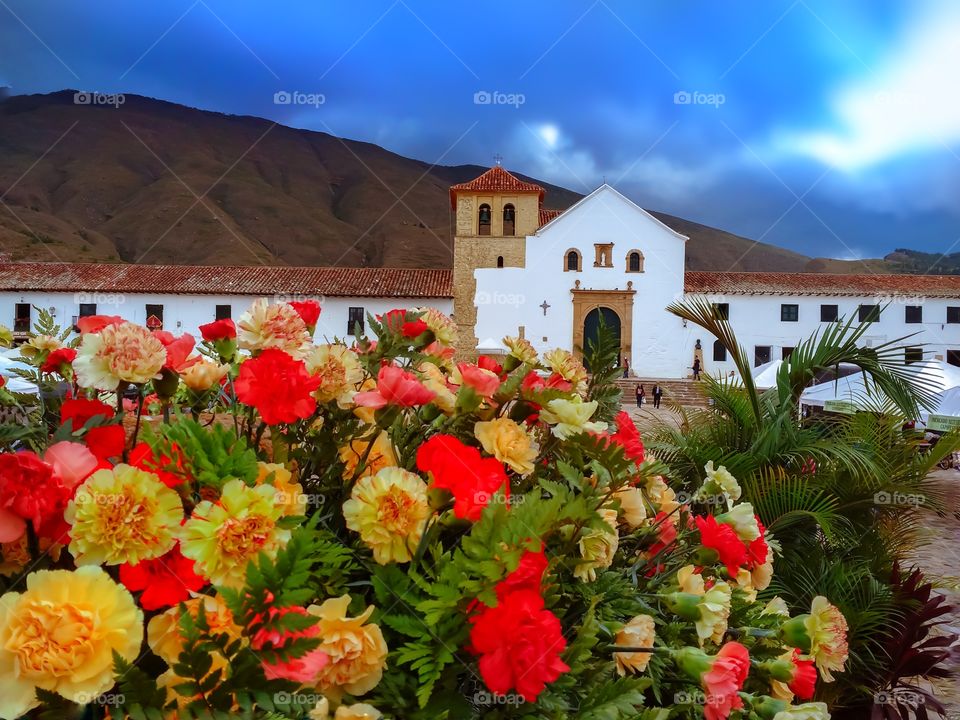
[{"x": 591, "y": 326}]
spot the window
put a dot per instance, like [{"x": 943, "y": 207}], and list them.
[
  {"x": 154, "y": 317},
  {"x": 913, "y": 314},
  {"x": 88, "y": 309},
  {"x": 719, "y": 351},
  {"x": 869, "y": 313},
  {"x": 21, "y": 317},
  {"x": 912, "y": 355},
  {"x": 500, "y": 261},
  {"x": 572, "y": 263},
  {"x": 223, "y": 312},
  {"x": 761, "y": 355},
  {"x": 509, "y": 213},
  {"x": 785, "y": 353},
  {"x": 953, "y": 357},
  {"x": 484, "y": 220},
  {"x": 634, "y": 261},
  {"x": 355, "y": 321},
  {"x": 721, "y": 311},
  {"x": 789, "y": 312},
  {"x": 953, "y": 314},
  {"x": 829, "y": 313}
]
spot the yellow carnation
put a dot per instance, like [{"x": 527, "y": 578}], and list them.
[
  {"x": 16, "y": 555},
  {"x": 568, "y": 367},
  {"x": 289, "y": 493},
  {"x": 662, "y": 496},
  {"x": 163, "y": 630},
  {"x": 339, "y": 370},
  {"x": 357, "y": 650},
  {"x": 203, "y": 375},
  {"x": 357, "y": 711},
  {"x": 374, "y": 458},
  {"x": 123, "y": 515},
  {"x": 507, "y": 442},
  {"x": 597, "y": 547},
  {"x": 633, "y": 507},
  {"x": 389, "y": 510},
  {"x": 639, "y": 632},
  {"x": 690, "y": 581},
  {"x": 273, "y": 326},
  {"x": 124, "y": 352},
  {"x": 827, "y": 628},
  {"x": 714, "y": 612},
  {"x": 570, "y": 417},
  {"x": 434, "y": 380},
  {"x": 39, "y": 345},
  {"x": 60, "y": 635},
  {"x": 442, "y": 327},
  {"x": 521, "y": 349},
  {"x": 223, "y": 537},
  {"x": 721, "y": 480}
]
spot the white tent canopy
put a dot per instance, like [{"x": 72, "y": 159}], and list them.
[
  {"x": 765, "y": 376},
  {"x": 491, "y": 345},
  {"x": 9, "y": 361},
  {"x": 857, "y": 392},
  {"x": 946, "y": 416}
]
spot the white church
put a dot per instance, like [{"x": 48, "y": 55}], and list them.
[{"x": 521, "y": 269}]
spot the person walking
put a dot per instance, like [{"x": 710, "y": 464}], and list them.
[
  {"x": 696, "y": 369},
  {"x": 657, "y": 394},
  {"x": 640, "y": 395},
  {"x": 626, "y": 367}
]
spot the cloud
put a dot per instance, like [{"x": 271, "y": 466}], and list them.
[{"x": 907, "y": 105}]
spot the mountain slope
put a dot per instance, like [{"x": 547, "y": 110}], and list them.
[{"x": 156, "y": 182}]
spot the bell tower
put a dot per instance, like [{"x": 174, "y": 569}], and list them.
[{"x": 494, "y": 213}]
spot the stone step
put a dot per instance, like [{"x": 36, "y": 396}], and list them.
[{"x": 684, "y": 392}]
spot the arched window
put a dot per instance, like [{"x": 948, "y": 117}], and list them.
[
  {"x": 635, "y": 261},
  {"x": 719, "y": 351},
  {"x": 500, "y": 261},
  {"x": 484, "y": 220},
  {"x": 572, "y": 261},
  {"x": 509, "y": 214}
]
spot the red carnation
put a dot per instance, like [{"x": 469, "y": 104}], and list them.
[
  {"x": 527, "y": 576},
  {"x": 165, "y": 581},
  {"x": 308, "y": 310},
  {"x": 29, "y": 491},
  {"x": 106, "y": 441},
  {"x": 178, "y": 350},
  {"x": 461, "y": 469},
  {"x": 219, "y": 330},
  {"x": 628, "y": 437},
  {"x": 77, "y": 411},
  {"x": 519, "y": 644},
  {"x": 3, "y": 381},
  {"x": 96, "y": 323},
  {"x": 57, "y": 359},
  {"x": 278, "y": 386},
  {"x": 757, "y": 550},
  {"x": 171, "y": 470},
  {"x": 488, "y": 363},
  {"x": 413, "y": 329},
  {"x": 804, "y": 677},
  {"x": 723, "y": 539}
]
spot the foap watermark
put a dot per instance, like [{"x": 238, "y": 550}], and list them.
[
  {"x": 85, "y": 97},
  {"x": 684, "y": 97},
  {"x": 899, "y": 498},
  {"x": 85, "y": 497},
  {"x": 310, "y": 700},
  {"x": 484, "y": 498},
  {"x": 496, "y": 97},
  {"x": 908, "y": 698},
  {"x": 697, "y": 697},
  {"x": 483, "y": 697},
  {"x": 685, "y": 498},
  {"x": 296, "y": 97},
  {"x": 499, "y": 298},
  {"x": 297, "y": 297},
  {"x": 891, "y": 299},
  {"x": 282, "y": 497},
  {"x": 98, "y": 298},
  {"x": 103, "y": 699}
]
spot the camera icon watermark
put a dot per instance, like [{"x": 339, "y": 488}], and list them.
[
  {"x": 310, "y": 700},
  {"x": 85, "y": 97},
  {"x": 899, "y": 498},
  {"x": 296, "y": 97},
  {"x": 496, "y": 97},
  {"x": 103, "y": 699},
  {"x": 908, "y": 698},
  {"x": 683, "y": 97},
  {"x": 482, "y": 697}
]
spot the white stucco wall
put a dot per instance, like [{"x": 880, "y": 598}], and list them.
[
  {"x": 508, "y": 298},
  {"x": 756, "y": 321},
  {"x": 185, "y": 313}
]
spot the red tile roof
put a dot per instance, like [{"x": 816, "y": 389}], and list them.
[
  {"x": 496, "y": 180},
  {"x": 779, "y": 283},
  {"x": 228, "y": 280},
  {"x": 548, "y": 215}
]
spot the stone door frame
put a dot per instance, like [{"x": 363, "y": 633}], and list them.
[{"x": 620, "y": 301}]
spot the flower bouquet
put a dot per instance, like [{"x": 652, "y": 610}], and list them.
[{"x": 369, "y": 529}]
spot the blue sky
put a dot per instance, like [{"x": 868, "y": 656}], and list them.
[{"x": 831, "y": 128}]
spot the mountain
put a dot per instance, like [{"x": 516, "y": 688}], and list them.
[{"x": 155, "y": 182}]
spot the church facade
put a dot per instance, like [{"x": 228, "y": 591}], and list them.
[{"x": 550, "y": 276}]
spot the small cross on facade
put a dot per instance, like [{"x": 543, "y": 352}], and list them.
[
  {"x": 498, "y": 159},
  {"x": 545, "y": 307}
]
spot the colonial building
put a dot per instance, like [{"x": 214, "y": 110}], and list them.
[{"x": 521, "y": 269}]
